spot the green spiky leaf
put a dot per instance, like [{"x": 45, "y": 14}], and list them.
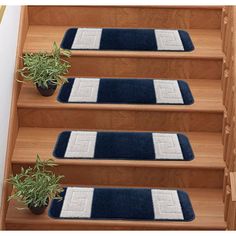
[
  {"x": 44, "y": 68},
  {"x": 35, "y": 186}
]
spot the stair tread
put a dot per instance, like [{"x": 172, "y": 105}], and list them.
[
  {"x": 207, "y": 44},
  {"x": 206, "y": 146},
  {"x": 207, "y": 95},
  {"x": 207, "y": 204}
]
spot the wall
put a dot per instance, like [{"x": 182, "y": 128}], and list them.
[{"x": 8, "y": 43}]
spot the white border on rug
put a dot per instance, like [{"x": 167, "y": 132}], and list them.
[
  {"x": 81, "y": 144},
  {"x": 87, "y": 38},
  {"x": 84, "y": 90},
  {"x": 167, "y": 146},
  {"x": 166, "y": 205},
  {"x": 168, "y": 91},
  {"x": 168, "y": 40},
  {"x": 77, "y": 203}
]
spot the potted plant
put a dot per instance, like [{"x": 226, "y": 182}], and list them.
[
  {"x": 46, "y": 70},
  {"x": 36, "y": 186}
]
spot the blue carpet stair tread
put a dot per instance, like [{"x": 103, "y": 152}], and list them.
[
  {"x": 127, "y": 39},
  {"x": 122, "y": 203},
  {"x": 123, "y": 146},
  {"x": 125, "y": 91}
]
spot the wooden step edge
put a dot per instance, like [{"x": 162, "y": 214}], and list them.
[
  {"x": 123, "y": 107},
  {"x": 162, "y": 55},
  {"x": 139, "y": 54},
  {"x": 126, "y": 163},
  {"x": 208, "y": 7},
  {"x": 15, "y": 223}
]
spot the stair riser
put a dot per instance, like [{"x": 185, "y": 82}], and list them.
[
  {"x": 116, "y": 16},
  {"x": 120, "y": 120},
  {"x": 39, "y": 225},
  {"x": 137, "y": 176},
  {"x": 171, "y": 68}
]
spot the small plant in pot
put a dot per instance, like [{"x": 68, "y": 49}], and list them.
[
  {"x": 46, "y": 70},
  {"x": 36, "y": 186}
]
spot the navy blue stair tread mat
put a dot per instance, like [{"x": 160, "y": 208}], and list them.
[
  {"x": 127, "y": 39},
  {"x": 125, "y": 91},
  {"x": 122, "y": 204},
  {"x": 142, "y": 146}
]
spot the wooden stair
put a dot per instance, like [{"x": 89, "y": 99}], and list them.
[
  {"x": 208, "y": 163},
  {"x": 207, "y": 204},
  {"x": 42, "y": 119},
  {"x": 204, "y": 62},
  {"x": 37, "y": 111}
]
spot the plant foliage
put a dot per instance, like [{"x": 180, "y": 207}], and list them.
[
  {"x": 35, "y": 186},
  {"x": 44, "y": 68}
]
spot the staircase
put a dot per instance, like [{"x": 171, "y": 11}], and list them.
[{"x": 42, "y": 119}]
